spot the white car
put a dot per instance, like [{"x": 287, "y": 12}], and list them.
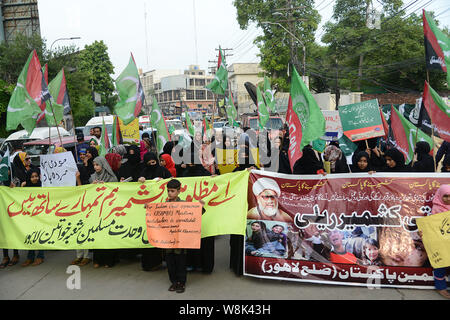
[{"x": 22, "y": 136}]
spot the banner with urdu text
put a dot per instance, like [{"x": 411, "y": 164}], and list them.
[
  {"x": 112, "y": 215},
  {"x": 354, "y": 229}
]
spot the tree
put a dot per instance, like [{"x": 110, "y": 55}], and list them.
[
  {"x": 14, "y": 54},
  {"x": 94, "y": 60},
  {"x": 391, "y": 58},
  {"x": 277, "y": 46}
]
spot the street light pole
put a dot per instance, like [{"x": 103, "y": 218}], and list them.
[
  {"x": 60, "y": 39},
  {"x": 293, "y": 36}
]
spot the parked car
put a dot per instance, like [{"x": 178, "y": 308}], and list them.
[
  {"x": 22, "y": 136},
  {"x": 37, "y": 148}
]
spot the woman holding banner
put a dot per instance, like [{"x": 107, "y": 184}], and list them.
[
  {"x": 103, "y": 174},
  {"x": 152, "y": 257}
]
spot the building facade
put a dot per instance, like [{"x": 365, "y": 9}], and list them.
[
  {"x": 185, "y": 92},
  {"x": 18, "y": 17},
  {"x": 238, "y": 75}
]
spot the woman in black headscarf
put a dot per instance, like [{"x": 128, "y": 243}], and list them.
[
  {"x": 103, "y": 174},
  {"x": 152, "y": 257},
  {"x": 425, "y": 162},
  {"x": 395, "y": 161},
  {"x": 86, "y": 169},
  {"x": 360, "y": 162},
  {"x": 199, "y": 259},
  {"x": 131, "y": 166},
  {"x": 152, "y": 169},
  {"x": 308, "y": 163}
]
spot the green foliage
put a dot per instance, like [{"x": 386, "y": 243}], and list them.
[
  {"x": 94, "y": 60},
  {"x": 391, "y": 58},
  {"x": 275, "y": 43},
  {"x": 14, "y": 54},
  {"x": 354, "y": 57}
]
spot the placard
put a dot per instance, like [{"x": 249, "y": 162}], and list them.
[
  {"x": 58, "y": 170},
  {"x": 174, "y": 225},
  {"x": 362, "y": 121},
  {"x": 436, "y": 238}
]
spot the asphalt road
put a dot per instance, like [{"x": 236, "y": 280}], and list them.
[{"x": 126, "y": 281}]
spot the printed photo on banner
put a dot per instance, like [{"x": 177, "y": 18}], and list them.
[{"x": 266, "y": 239}]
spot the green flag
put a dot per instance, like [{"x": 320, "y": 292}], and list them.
[
  {"x": 220, "y": 83},
  {"x": 58, "y": 91},
  {"x": 308, "y": 112},
  {"x": 4, "y": 167},
  {"x": 189, "y": 124},
  {"x": 269, "y": 94},
  {"x": 104, "y": 141},
  {"x": 231, "y": 112},
  {"x": 347, "y": 146},
  {"x": 159, "y": 123},
  {"x": 263, "y": 113},
  {"x": 131, "y": 93},
  {"x": 404, "y": 133},
  {"x": 22, "y": 108}
]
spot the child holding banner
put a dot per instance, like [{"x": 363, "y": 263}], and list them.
[
  {"x": 441, "y": 203},
  {"x": 176, "y": 258}
]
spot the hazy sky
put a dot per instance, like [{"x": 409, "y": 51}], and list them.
[{"x": 170, "y": 29}]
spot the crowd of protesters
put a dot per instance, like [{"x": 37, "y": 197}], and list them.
[{"x": 203, "y": 155}]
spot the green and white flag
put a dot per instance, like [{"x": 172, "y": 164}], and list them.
[
  {"x": 231, "y": 112},
  {"x": 189, "y": 124},
  {"x": 131, "y": 93},
  {"x": 4, "y": 167},
  {"x": 269, "y": 94},
  {"x": 263, "y": 113},
  {"x": 58, "y": 90},
  {"x": 159, "y": 123},
  {"x": 220, "y": 83}
]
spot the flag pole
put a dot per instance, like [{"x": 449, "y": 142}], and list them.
[{"x": 56, "y": 123}]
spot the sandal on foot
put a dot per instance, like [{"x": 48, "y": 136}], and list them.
[
  {"x": 84, "y": 262},
  {"x": 27, "y": 263},
  {"x": 76, "y": 261},
  {"x": 37, "y": 262},
  {"x": 4, "y": 263},
  {"x": 14, "y": 261}
]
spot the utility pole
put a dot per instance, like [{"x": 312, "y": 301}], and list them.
[{"x": 291, "y": 20}]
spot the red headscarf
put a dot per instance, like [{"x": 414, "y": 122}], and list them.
[
  {"x": 170, "y": 164},
  {"x": 114, "y": 161}
]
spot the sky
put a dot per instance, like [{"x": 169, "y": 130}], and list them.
[{"x": 161, "y": 34}]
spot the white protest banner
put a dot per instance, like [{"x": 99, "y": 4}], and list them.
[{"x": 58, "y": 170}]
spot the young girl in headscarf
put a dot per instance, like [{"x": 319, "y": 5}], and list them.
[
  {"x": 395, "y": 161},
  {"x": 167, "y": 162},
  {"x": 33, "y": 181},
  {"x": 103, "y": 174},
  {"x": 115, "y": 162},
  {"x": 441, "y": 203}
]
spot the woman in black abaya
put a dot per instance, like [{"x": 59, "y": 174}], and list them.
[{"x": 152, "y": 257}]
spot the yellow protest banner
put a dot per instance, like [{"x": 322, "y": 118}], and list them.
[{"x": 436, "y": 238}]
